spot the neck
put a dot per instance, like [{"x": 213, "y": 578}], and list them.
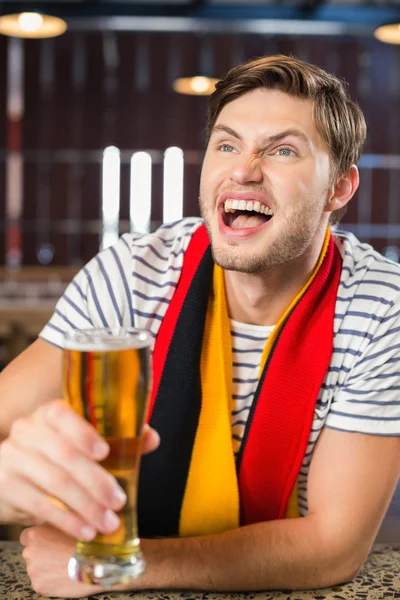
[{"x": 261, "y": 299}]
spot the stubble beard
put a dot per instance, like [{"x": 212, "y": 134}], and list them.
[{"x": 294, "y": 239}]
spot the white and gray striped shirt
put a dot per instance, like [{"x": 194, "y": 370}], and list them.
[{"x": 131, "y": 284}]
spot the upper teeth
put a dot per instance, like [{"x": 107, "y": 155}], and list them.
[{"x": 232, "y": 205}]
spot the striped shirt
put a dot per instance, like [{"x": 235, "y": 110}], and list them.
[
  {"x": 248, "y": 343},
  {"x": 132, "y": 283}
]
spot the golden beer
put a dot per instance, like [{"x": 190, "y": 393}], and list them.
[{"x": 107, "y": 381}]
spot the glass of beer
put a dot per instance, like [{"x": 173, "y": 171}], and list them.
[{"x": 107, "y": 377}]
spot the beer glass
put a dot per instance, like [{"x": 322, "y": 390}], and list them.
[{"x": 106, "y": 380}]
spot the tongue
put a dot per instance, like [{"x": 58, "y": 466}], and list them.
[{"x": 243, "y": 221}]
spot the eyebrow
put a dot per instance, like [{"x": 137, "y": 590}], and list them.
[{"x": 267, "y": 140}]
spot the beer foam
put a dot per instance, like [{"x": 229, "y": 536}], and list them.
[{"x": 95, "y": 341}]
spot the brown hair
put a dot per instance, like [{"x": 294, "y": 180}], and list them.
[{"x": 339, "y": 120}]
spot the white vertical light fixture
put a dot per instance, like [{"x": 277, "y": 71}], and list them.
[
  {"x": 14, "y": 160},
  {"x": 110, "y": 196},
  {"x": 140, "y": 192},
  {"x": 173, "y": 185}
]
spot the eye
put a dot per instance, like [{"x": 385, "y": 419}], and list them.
[
  {"x": 285, "y": 152},
  {"x": 226, "y": 148}
]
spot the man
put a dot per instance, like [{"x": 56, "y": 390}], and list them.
[{"x": 302, "y": 390}]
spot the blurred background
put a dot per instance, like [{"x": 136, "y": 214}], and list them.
[{"x": 96, "y": 141}]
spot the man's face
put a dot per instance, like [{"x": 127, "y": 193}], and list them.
[{"x": 264, "y": 181}]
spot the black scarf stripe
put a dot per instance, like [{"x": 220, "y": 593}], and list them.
[{"x": 163, "y": 473}]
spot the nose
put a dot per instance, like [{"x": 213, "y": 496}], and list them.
[{"x": 247, "y": 169}]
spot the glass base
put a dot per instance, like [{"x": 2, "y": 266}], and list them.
[{"x": 105, "y": 572}]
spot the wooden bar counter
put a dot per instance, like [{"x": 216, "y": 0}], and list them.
[{"x": 378, "y": 580}]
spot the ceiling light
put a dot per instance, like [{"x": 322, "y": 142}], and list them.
[
  {"x": 30, "y": 21},
  {"x": 390, "y": 34},
  {"x": 195, "y": 86},
  {"x": 31, "y": 25}
]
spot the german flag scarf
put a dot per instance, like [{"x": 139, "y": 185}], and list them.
[{"x": 191, "y": 484}]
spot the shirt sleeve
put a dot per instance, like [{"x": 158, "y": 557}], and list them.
[
  {"x": 369, "y": 400},
  {"x": 98, "y": 296}
]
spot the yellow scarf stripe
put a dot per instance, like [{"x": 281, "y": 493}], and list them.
[{"x": 211, "y": 500}]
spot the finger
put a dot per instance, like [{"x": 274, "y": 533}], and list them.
[
  {"x": 44, "y": 534},
  {"x": 151, "y": 439},
  {"x": 73, "y": 427},
  {"x": 24, "y": 537},
  {"x": 9, "y": 514},
  {"x": 54, "y": 480},
  {"x": 16, "y": 490},
  {"x": 93, "y": 478}
]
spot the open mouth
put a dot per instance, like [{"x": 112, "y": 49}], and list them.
[{"x": 239, "y": 214}]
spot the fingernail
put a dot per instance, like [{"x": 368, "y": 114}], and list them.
[
  {"x": 88, "y": 533},
  {"x": 119, "y": 497},
  {"x": 100, "y": 449},
  {"x": 111, "y": 521}
]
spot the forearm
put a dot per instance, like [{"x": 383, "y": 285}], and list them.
[
  {"x": 30, "y": 380},
  {"x": 279, "y": 554}
]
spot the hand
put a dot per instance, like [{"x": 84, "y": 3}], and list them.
[
  {"x": 46, "y": 554},
  {"x": 49, "y": 470}
]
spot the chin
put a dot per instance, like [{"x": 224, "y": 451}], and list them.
[{"x": 231, "y": 260}]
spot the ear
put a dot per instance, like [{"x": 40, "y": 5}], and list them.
[{"x": 342, "y": 190}]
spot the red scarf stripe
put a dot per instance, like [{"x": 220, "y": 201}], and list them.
[
  {"x": 279, "y": 429},
  {"x": 192, "y": 258}
]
